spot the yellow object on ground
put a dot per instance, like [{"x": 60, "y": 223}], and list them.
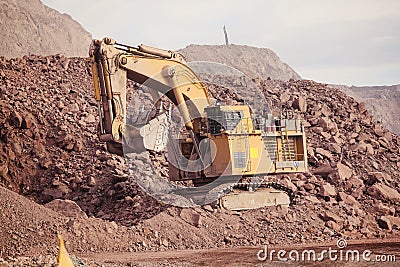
[{"x": 63, "y": 259}]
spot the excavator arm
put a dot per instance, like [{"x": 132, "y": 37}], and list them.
[{"x": 164, "y": 72}]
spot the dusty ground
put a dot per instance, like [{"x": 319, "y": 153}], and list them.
[{"x": 247, "y": 256}]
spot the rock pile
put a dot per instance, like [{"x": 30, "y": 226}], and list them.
[
  {"x": 354, "y": 161},
  {"x": 382, "y": 101},
  {"x": 49, "y": 150},
  {"x": 49, "y": 145}
]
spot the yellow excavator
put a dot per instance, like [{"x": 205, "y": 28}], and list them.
[{"x": 224, "y": 143}]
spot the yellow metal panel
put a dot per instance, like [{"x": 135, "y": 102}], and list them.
[
  {"x": 253, "y": 152},
  {"x": 95, "y": 79}
]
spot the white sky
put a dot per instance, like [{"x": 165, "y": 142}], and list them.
[{"x": 353, "y": 42}]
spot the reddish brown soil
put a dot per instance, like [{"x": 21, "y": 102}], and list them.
[{"x": 49, "y": 150}]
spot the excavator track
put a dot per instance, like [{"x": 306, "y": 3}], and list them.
[
  {"x": 242, "y": 195},
  {"x": 274, "y": 185}
]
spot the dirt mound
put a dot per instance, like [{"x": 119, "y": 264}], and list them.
[
  {"x": 30, "y": 27},
  {"x": 30, "y": 229},
  {"x": 252, "y": 61},
  {"x": 49, "y": 150},
  {"x": 26, "y": 225}
]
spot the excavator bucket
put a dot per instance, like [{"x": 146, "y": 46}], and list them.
[
  {"x": 155, "y": 133},
  {"x": 63, "y": 259}
]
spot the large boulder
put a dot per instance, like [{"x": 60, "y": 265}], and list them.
[
  {"x": 344, "y": 172},
  {"x": 327, "y": 190},
  {"x": 384, "y": 192},
  {"x": 324, "y": 170},
  {"x": 300, "y": 104},
  {"x": 67, "y": 208}
]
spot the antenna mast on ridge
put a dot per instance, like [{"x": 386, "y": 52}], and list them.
[{"x": 226, "y": 36}]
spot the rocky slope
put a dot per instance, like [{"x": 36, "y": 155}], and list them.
[
  {"x": 382, "y": 101},
  {"x": 49, "y": 150},
  {"x": 30, "y": 27},
  {"x": 252, "y": 61}
]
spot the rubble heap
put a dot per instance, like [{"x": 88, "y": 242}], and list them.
[{"x": 49, "y": 150}]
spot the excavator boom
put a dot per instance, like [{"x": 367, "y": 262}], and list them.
[{"x": 163, "y": 71}]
